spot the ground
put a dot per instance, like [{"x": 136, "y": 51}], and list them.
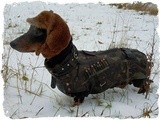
[{"x": 27, "y": 91}]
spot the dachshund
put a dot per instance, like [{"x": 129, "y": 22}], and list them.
[{"x": 80, "y": 73}]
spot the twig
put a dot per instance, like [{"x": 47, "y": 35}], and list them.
[
  {"x": 150, "y": 64},
  {"x": 36, "y": 94},
  {"x": 77, "y": 110},
  {"x": 147, "y": 111},
  {"x": 20, "y": 97},
  {"x": 14, "y": 113},
  {"x": 33, "y": 74},
  {"x": 39, "y": 111},
  {"x": 57, "y": 111},
  {"x": 103, "y": 111},
  {"x": 6, "y": 71},
  {"x": 38, "y": 67},
  {"x": 84, "y": 114}
]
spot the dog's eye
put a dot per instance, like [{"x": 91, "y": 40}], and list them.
[{"x": 38, "y": 32}]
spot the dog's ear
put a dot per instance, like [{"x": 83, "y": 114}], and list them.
[
  {"x": 57, "y": 45},
  {"x": 59, "y": 36}
]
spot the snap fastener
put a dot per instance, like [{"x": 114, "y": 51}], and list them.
[{"x": 69, "y": 89}]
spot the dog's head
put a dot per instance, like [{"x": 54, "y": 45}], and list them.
[{"x": 49, "y": 41}]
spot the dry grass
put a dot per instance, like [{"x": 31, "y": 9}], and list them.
[{"x": 145, "y": 8}]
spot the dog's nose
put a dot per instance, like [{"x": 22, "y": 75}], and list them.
[{"x": 13, "y": 44}]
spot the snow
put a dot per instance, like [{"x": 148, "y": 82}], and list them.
[{"x": 93, "y": 27}]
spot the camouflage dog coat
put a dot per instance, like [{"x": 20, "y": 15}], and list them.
[{"x": 80, "y": 73}]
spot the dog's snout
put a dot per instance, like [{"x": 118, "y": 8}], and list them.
[{"x": 13, "y": 44}]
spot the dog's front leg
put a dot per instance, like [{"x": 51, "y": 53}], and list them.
[
  {"x": 53, "y": 82},
  {"x": 78, "y": 100}
]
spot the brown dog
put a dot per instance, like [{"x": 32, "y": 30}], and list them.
[{"x": 80, "y": 73}]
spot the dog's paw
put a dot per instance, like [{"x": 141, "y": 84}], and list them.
[{"x": 78, "y": 101}]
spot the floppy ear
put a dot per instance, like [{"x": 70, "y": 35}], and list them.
[
  {"x": 54, "y": 45},
  {"x": 58, "y": 34}
]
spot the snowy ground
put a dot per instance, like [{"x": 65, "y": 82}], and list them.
[{"x": 27, "y": 91}]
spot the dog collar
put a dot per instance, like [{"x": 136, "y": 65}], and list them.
[{"x": 68, "y": 60}]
